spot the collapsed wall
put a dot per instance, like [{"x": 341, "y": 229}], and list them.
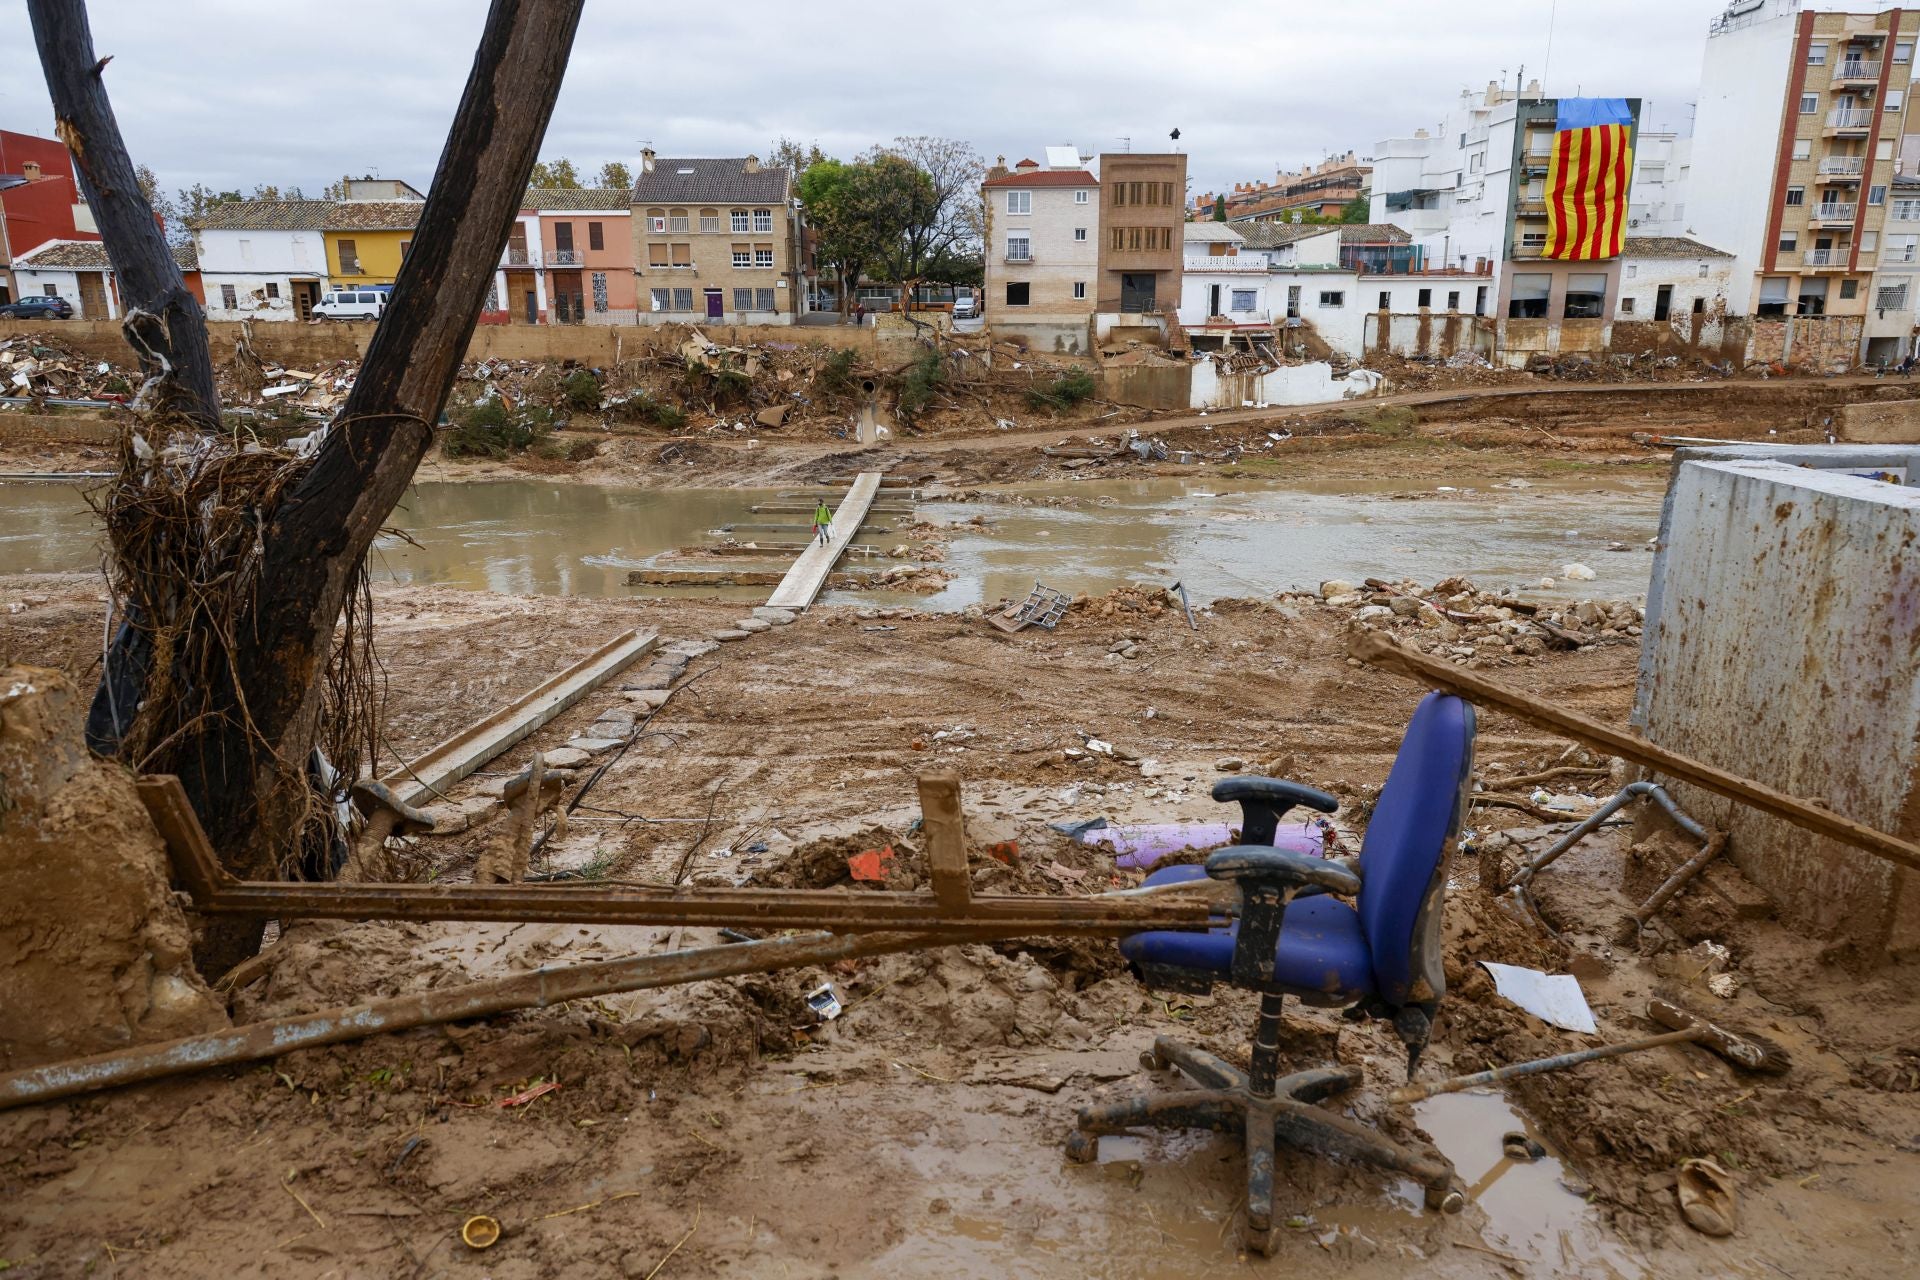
[{"x": 95, "y": 952}]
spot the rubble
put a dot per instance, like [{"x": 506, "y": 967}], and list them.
[{"x": 1477, "y": 628}]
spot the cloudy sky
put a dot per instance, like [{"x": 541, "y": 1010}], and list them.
[{"x": 237, "y": 92}]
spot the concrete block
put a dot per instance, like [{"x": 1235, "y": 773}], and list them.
[
  {"x": 726, "y": 635},
  {"x": 754, "y": 624}
]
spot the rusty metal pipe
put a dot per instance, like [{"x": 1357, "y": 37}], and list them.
[{"x": 536, "y": 990}]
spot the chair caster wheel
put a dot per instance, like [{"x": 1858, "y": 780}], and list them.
[
  {"x": 1151, "y": 1061},
  {"x": 1083, "y": 1147},
  {"x": 1447, "y": 1199}
]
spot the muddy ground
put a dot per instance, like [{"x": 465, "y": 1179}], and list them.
[{"x": 722, "y": 1130}]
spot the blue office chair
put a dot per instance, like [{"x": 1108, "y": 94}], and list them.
[{"x": 1379, "y": 958}]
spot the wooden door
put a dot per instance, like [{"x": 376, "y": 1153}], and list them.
[{"x": 93, "y": 297}]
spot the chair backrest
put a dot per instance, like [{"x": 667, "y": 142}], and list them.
[{"x": 1419, "y": 810}]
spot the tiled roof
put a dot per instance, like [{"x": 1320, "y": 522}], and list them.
[
  {"x": 1044, "y": 178},
  {"x": 374, "y": 215},
  {"x": 710, "y": 181},
  {"x": 90, "y": 255},
  {"x": 1373, "y": 233},
  {"x": 566, "y": 199},
  {"x": 266, "y": 215},
  {"x": 1670, "y": 247},
  {"x": 1273, "y": 235},
  {"x": 1206, "y": 232}
]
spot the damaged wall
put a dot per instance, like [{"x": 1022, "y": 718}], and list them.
[
  {"x": 1430, "y": 333},
  {"x": 1783, "y": 644},
  {"x": 1819, "y": 343},
  {"x": 95, "y": 952},
  {"x": 1710, "y": 334}
]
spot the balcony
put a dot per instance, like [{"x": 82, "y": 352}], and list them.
[
  {"x": 1857, "y": 70},
  {"x": 1831, "y": 214},
  {"x": 564, "y": 258},
  {"x": 518, "y": 255},
  {"x": 351, "y": 267},
  {"x": 1019, "y": 259},
  {"x": 1849, "y": 120},
  {"x": 1826, "y": 259},
  {"x": 1843, "y": 168},
  {"x": 1528, "y": 250}
]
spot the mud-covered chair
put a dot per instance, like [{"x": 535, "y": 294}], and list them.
[{"x": 1297, "y": 936}]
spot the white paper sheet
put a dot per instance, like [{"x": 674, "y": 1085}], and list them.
[{"x": 1554, "y": 998}]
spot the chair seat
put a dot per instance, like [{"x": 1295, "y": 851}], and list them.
[{"x": 1321, "y": 947}]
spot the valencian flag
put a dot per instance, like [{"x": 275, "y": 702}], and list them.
[{"x": 1587, "y": 178}]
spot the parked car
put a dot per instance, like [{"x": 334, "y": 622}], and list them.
[
  {"x": 963, "y": 308},
  {"x": 48, "y": 308},
  {"x": 353, "y": 304}
]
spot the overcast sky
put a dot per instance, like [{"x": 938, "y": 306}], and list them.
[{"x": 237, "y": 92}]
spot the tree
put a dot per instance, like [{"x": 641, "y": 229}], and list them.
[
  {"x": 337, "y": 190},
  {"x": 1220, "y": 208},
  {"x": 614, "y": 176},
  {"x": 555, "y": 173},
  {"x": 194, "y": 201},
  {"x": 794, "y": 157},
  {"x": 939, "y": 216},
  {"x": 242, "y": 761},
  {"x": 268, "y": 191},
  {"x": 1357, "y": 209},
  {"x": 835, "y": 199}
]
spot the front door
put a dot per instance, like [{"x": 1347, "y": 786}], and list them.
[
  {"x": 714, "y": 309},
  {"x": 1663, "y": 302},
  {"x": 1136, "y": 291},
  {"x": 305, "y": 294},
  {"x": 1213, "y": 301},
  {"x": 1293, "y": 301},
  {"x": 93, "y": 298}
]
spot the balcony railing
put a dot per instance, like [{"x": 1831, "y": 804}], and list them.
[
  {"x": 1858, "y": 69},
  {"x": 1020, "y": 258},
  {"x": 521, "y": 256},
  {"x": 1832, "y": 212},
  {"x": 1826, "y": 257},
  {"x": 1849, "y": 118},
  {"x": 1899, "y": 253},
  {"x": 564, "y": 258},
  {"x": 350, "y": 267},
  {"x": 1843, "y": 166}
]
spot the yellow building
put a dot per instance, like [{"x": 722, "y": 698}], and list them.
[{"x": 367, "y": 239}]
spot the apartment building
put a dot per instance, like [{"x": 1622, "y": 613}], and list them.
[
  {"x": 1801, "y": 122},
  {"x": 568, "y": 260},
  {"x": 716, "y": 240},
  {"x": 1042, "y": 249},
  {"x": 1143, "y": 209},
  {"x": 1325, "y": 189}
]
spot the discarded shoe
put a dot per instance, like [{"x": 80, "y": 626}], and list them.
[{"x": 1706, "y": 1197}]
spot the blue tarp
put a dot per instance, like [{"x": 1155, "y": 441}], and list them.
[{"x": 1585, "y": 113}]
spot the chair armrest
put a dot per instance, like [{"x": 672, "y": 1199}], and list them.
[
  {"x": 1276, "y": 793},
  {"x": 1281, "y": 869}
]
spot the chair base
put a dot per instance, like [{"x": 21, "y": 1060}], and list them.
[{"x": 1226, "y": 1102}]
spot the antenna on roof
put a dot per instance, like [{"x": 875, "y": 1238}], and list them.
[{"x": 1126, "y": 144}]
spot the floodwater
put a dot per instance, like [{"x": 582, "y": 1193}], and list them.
[{"x": 535, "y": 537}]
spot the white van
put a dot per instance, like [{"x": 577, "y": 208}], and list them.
[{"x": 353, "y": 304}]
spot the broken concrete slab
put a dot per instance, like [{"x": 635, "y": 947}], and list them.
[
  {"x": 692, "y": 648},
  {"x": 727, "y": 635},
  {"x": 595, "y": 745},
  {"x": 567, "y": 757},
  {"x": 755, "y": 625},
  {"x": 648, "y": 699},
  {"x": 777, "y": 617}
]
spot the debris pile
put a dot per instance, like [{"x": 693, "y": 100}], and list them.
[
  {"x": 1477, "y": 628},
  {"x": 34, "y": 367}
]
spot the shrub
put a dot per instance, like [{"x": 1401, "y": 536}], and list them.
[
  {"x": 643, "y": 408},
  {"x": 919, "y": 383},
  {"x": 486, "y": 430},
  {"x": 582, "y": 390},
  {"x": 1063, "y": 392},
  {"x": 835, "y": 375}
]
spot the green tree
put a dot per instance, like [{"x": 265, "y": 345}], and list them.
[
  {"x": 796, "y": 158},
  {"x": 194, "y": 201},
  {"x": 836, "y": 200},
  {"x": 927, "y": 192},
  {"x": 1357, "y": 209},
  {"x": 614, "y": 176},
  {"x": 555, "y": 173},
  {"x": 337, "y": 190},
  {"x": 1220, "y": 208}
]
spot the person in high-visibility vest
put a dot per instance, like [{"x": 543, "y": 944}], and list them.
[{"x": 822, "y": 520}]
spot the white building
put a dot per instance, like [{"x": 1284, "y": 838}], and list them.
[
  {"x": 1042, "y": 250},
  {"x": 1223, "y": 292},
  {"x": 1662, "y": 170},
  {"x": 80, "y": 272},
  {"x": 1666, "y": 276},
  {"x": 263, "y": 259}
]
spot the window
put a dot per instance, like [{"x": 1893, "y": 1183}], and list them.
[
  {"x": 1869, "y": 241},
  {"x": 1480, "y": 300},
  {"x": 763, "y": 256},
  {"x": 1079, "y": 197},
  {"x": 1133, "y": 240},
  {"x": 1019, "y": 249},
  {"x": 1119, "y": 193},
  {"x": 738, "y": 219},
  {"x": 1653, "y": 173},
  {"x": 405, "y": 246},
  {"x": 1902, "y": 248},
  {"x": 742, "y": 256},
  {"x": 1529, "y": 298},
  {"x": 657, "y": 221},
  {"x": 1243, "y": 299},
  {"x": 1809, "y": 104},
  {"x": 1891, "y": 295},
  {"x": 493, "y": 296},
  {"x": 1017, "y": 294},
  {"x": 1803, "y": 148},
  {"x": 1533, "y": 239},
  {"x": 227, "y": 298},
  {"x": 563, "y": 237},
  {"x": 1883, "y": 149},
  {"x": 273, "y": 289},
  {"x": 743, "y": 299},
  {"x": 1330, "y": 298},
  {"x": 1079, "y": 288},
  {"x": 1586, "y": 296},
  {"x": 1626, "y": 306},
  {"x": 1079, "y": 233},
  {"x": 1813, "y": 297},
  {"x": 1773, "y": 297},
  {"x": 683, "y": 299},
  {"x": 1849, "y": 290},
  {"x": 1789, "y": 241},
  {"x": 682, "y": 255},
  {"x": 1817, "y": 55},
  {"x": 1796, "y": 196},
  {"x": 1166, "y": 193},
  {"x": 52, "y": 291},
  {"x": 349, "y": 258},
  {"x": 1876, "y": 195},
  {"x": 1453, "y": 299},
  {"x": 1703, "y": 271},
  {"x": 596, "y": 237},
  {"x": 599, "y": 289},
  {"x": 763, "y": 220},
  {"x": 1133, "y": 193},
  {"x": 1903, "y": 51},
  {"x": 1426, "y": 299},
  {"x": 657, "y": 254},
  {"x": 1117, "y": 239},
  {"x": 1632, "y": 270},
  {"x": 1895, "y": 97},
  {"x": 1019, "y": 202},
  {"x": 1386, "y": 301},
  {"x": 1906, "y": 209},
  {"x": 677, "y": 220}
]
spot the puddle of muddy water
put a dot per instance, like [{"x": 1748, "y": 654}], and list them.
[{"x": 532, "y": 537}]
